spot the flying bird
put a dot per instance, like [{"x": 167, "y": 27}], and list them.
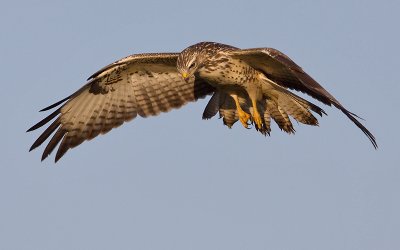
[{"x": 247, "y": 85}]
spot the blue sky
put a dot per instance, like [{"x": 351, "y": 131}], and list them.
[{"x": 178, "y": 182}]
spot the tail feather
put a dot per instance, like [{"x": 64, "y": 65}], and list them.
[
  {"x": 297, "y": 109},
  {"x": 280, "y": 116},
  {"x": 266, "y": 123},
  {"x": 228, "y": 111}
]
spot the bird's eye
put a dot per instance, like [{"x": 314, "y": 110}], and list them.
[{"x": 193, "y": 65}]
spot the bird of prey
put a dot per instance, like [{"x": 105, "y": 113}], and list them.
[{"x": 247, "y": 85}]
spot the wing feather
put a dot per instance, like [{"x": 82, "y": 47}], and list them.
[
  {"x": 212, "y": 106},
  {"x": 54, "y": 141},
  {"x": 279, "y": 68},
  {"x": 144, "y": 84}
]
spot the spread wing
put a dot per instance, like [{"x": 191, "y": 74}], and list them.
[
  {"x": 144, "y": 85},
  {"x": 282, "y": 70}
]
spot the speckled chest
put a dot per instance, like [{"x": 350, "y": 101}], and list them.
[{"x": 228, "y": 71}]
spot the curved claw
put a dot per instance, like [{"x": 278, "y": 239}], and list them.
[
  {"x": 245, "y": 119},
  {"x": 248, "y": 123},
  {"x": 257, "y": 120}
]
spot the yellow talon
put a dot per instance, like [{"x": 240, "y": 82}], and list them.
[
  {"x": 257, "y": 119},
  {"x": 243, "y": 116},
  {"x": 256, "y": 115}
]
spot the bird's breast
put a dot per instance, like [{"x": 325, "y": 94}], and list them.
[{"x": 228, "y": 72}]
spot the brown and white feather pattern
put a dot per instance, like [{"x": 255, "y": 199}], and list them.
[
  {"x": 228, "y": 111},
  {"x": 144, "y": 85},
  {"x": 280, "y": 109},
  {"x": 148, "y": 84},
  {"x": 280, "y": 116},
  {"x": 279, "y": 68}
]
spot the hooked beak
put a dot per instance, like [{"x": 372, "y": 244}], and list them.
[{"x": 185, "y": 76}]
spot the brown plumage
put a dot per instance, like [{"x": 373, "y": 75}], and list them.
[
  {"x": 249, "y": 85},
  {"x": 143, "y": 85}
]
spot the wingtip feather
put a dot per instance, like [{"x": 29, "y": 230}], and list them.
[
  {"x": 54, "y": 104},
  {"x": 353, "y": 117}
]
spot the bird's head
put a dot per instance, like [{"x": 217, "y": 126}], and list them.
[
  {"x": 189, "y": 61},
  {"x": 198, "y": 56}
]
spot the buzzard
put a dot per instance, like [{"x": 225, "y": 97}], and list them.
[{"x": 249, "y": 85}]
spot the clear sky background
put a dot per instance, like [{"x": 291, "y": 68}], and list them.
[{"x": 178, "y": 182}]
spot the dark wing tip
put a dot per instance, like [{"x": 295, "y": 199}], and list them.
[
  {"x": 317, "y": 109},
  {"x": 55, "y": 140},
  {"x": 31, "y": 128},
  {"x": 60, "y": 154},
  {"x": 44, "y": 121},
  {"x": 352, "y": 117},
  {"x": 46, "y": 134},
  {"x": 55, "y": 104}
]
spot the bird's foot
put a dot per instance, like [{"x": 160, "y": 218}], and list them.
[
  {"x": 257, "y": 120},
  {"x": 244, "y": 118}
]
